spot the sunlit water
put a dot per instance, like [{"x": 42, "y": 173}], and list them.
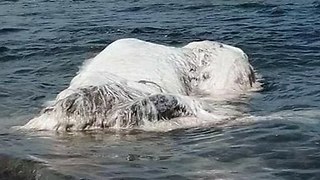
[{"x": 42, "y": 44}]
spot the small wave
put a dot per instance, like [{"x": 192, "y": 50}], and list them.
[
  {"x": 12, "y": 168},
  {"x": 157, "y": 7},
  {"x": 37, "y": 97},
  {"x": 274, "y": 11},
  {"x": 4, "y": 92},
  {"x": 23, "y": 70},
  {"x": 204, "y": 33},
  {"x": 4, "y": 49},
  {"x": 46, "y": 85},
  {"x": 11, "y": 30},
  {"x": 147, "y": 30},
  {"x": 174, "y": 34},
  {"x": 132, "y": 9},
  {"x": 30, "y": 14},
  {"x": 235, "y": 19},
  {"x": 7, "y": 58},
  {"x": 305, "y": 116},
  {"x": 278, "y": 11},
  {"x": 316, "y": 4},
  {"x": 250, "y": 5},
  {"x": 10, "y": 0},
  {"x": 104, "y": 29},
  {"x": 199, "y": 7}
]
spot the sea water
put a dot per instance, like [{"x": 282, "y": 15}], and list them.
[{"x": 43, "y": 43}]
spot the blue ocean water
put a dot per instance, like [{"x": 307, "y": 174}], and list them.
[{"x": 43, "y": 43}]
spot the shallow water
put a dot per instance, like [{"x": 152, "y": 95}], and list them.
[{"x": 43, "y": 43}]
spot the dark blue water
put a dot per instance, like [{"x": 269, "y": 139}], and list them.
[{"x": 43, "y": 43}]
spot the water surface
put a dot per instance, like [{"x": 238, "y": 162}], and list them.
[{"x": 43, "y": 43}]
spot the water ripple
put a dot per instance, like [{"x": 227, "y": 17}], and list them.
[{"x": 11, "y": 30}]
